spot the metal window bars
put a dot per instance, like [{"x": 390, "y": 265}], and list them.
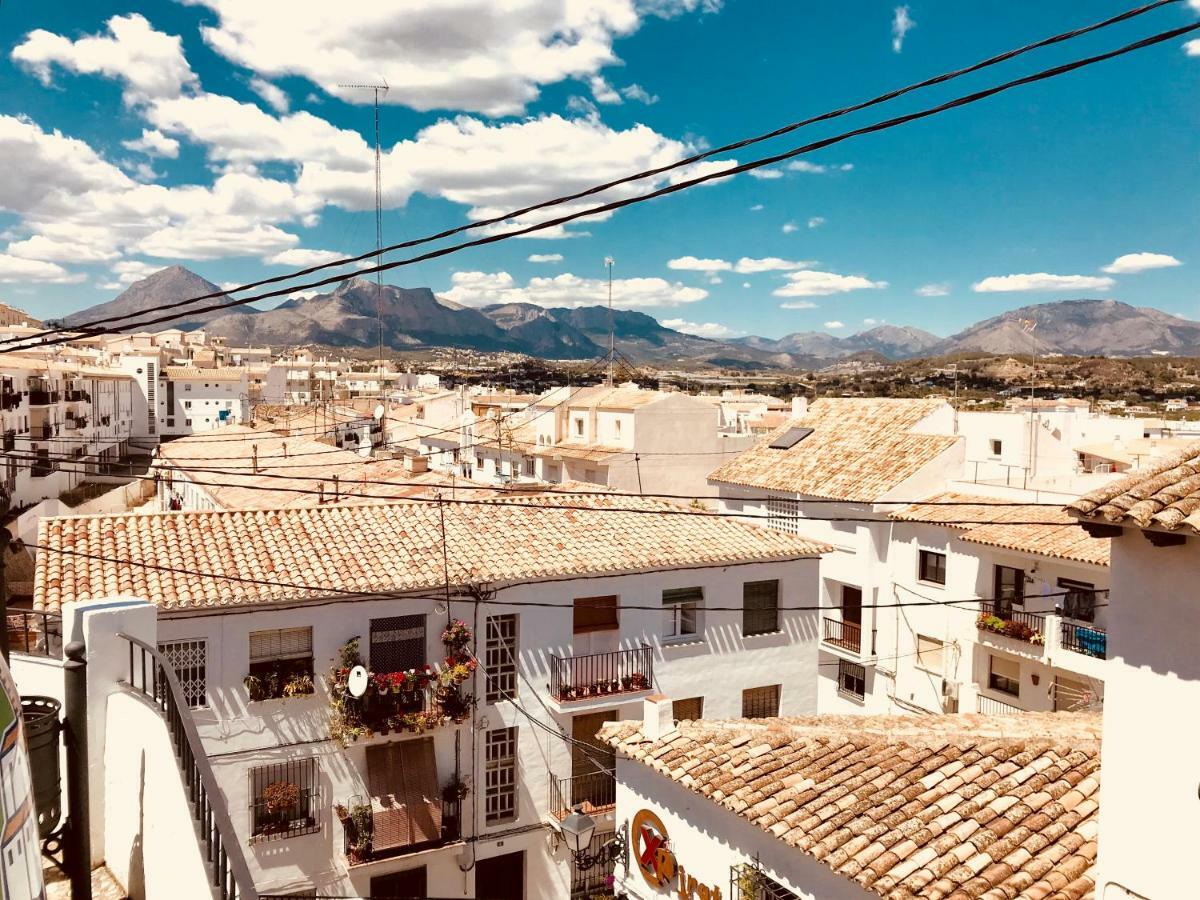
[
  {"x": 35, "y": 633},
  {"x": 151, "y": 675}
]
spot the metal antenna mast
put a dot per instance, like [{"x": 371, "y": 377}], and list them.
[
  {"x": 612, "y": 329},
  {"x": 379, "y": 90}
]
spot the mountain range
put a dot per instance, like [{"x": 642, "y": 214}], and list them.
[{"x": 415, "y": 318}]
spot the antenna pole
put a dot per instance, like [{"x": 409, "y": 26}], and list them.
[{"x": 612, "y": 328}]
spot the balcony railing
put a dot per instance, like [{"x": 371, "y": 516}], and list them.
[
  {"x": 992, "y": 707},
  {"x": 357, "y": 832},
  {"x": 46, "y": 431},
  {"x": 601, "y": 674},
  {"x": 9, "y": 400},
  {"x": 1013, "y": 623},
  {"x": 10, "y": 439},
  {"x": 152, "y": 676},
  {"x": 35, "y": 633},
  {"x": 1085, "y": 639},
  {"x": 594, "y": 791},
  {"x": 40, "y": 397},
  {"x": 76, "y": 396},
  {"x": 847, "y": 635}
]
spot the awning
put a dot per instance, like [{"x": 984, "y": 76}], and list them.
[{"x": 406, "y": 802}]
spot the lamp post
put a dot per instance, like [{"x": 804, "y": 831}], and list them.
[{"x": 577, "y": 829}]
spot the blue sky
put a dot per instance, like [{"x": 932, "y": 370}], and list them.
[{"x": 212, "y": 133}]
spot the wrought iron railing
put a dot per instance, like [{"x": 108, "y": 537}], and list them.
[
  {"x": 600, "y": 674},
  {"x": 150, "y": 674},
  {"x": 10, "y": 400},
  {"x": 1013, "y": 623},
  {"x": 989, "y": 706},
  {"x": 39, "y": 397},
  {"x": 35, "y": 632},
  {"x": 840, "y": 633},
  {"x": 593, "y": 790},
  {"x": 358, "y": 846},
  {"x": 1085, "y": 639}
]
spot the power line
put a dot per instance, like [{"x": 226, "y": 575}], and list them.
[{"x": 681, "y": 185}]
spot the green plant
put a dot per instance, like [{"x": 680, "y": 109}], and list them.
[
  {"x": 255, "y": 687},
  {"x": 299, "y": 685},
  {"x": 362, "y": 830},
  {"x": 280, "y": 796},
  {"x": 455, "y": 789}
]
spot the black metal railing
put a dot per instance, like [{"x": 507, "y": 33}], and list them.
[
  {"x": 46, "y": 431},
  {"x": 593, "y": 790},
  {"x": 10, "y": 439},
  {"x": 150, "y": 674},
  {"x": 75, "y": 396},
  {"x": 35, "y": 633},
  {"x": 1013, "y": 623},
  {"x": 747, "y": 881},
  {"x": 840, "y": 633},
  {"x": 10, "y": 400},
  {"x": 989, "y": 706},
  {"x": 359, "y": 849},
  {"x": 1085, "y": 639},
  {"x": 600, "y": 674},
  {"x": 41, "y": 397}
]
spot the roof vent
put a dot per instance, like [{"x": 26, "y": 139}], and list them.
[{"x": 790, "y": 438}]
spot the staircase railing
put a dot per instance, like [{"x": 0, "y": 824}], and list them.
[{"x": 152, "y": 676}]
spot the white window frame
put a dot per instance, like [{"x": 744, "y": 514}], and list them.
[
  {"x": 674, "y": 616},
  {"x": 922, "y": 663}
]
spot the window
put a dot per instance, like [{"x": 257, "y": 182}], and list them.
[
  {"x": 617, "y": 427},
  {"x": 1004, "y": 675},
  {"x": 284, "y": 799},
  {"x": 783, "y": 514},
  {"x": 688, "y": 710},
  {"x": 500, "y": 776},
  {"x": 189, "y": 659},
  {"x": 760, "y": 702},
  {"x": 578, "y": 427},
  {"x": 1009, "y": 590},
  {"x": 397, "y": 643},
  {"x": 996, "y": 446},
  {"x": 595, "y": 614},
  {"x": 852, "y": 680},
  {"x": 187, "y": 387},
  {"x": 929, "y": 654},
  {"x": 681, "y": 612},
  {"x": 931, "y": 567},
  {"x": 1079, "y": 601},
  {"x": 187, "y": 404},
  {"x": 276, "y": 657},
  {"x": 188, "y": 423},
  {"x": 760, "y": 607},
  {"x": 500, "y": 657}
]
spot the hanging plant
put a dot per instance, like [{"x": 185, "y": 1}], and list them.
[{"x": 457, "y": 634}]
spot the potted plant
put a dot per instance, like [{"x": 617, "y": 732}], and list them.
[
  {"x": 638, "y": 681},
  {"x": 255, "y": 687},
  {"x": 299, "y": 685},
  {"x": 457, "y": 634},
  {"x": 362, "y": 825},
  {"x": 456, "y": 789},
  {"x": 280, "y": 800}
]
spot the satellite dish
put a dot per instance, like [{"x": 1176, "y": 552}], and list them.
[
  {"x": 356, "y": 682},
  {"x": 379, "y": 412}
]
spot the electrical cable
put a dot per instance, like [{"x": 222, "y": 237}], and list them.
[{"x": 684, "y": 184}]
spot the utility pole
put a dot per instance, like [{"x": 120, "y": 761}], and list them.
[
  {"x": 612, "y": 326},
  {"x": 379, "y": 90}
]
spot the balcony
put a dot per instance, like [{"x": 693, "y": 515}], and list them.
[
  {"x": 10, "y": 400},
  {"x": 1029, "y": 628},
  {"x": 989, "y": 706},
  {"x": 842, "y": 634},
  {"x": 595, "y": 791},
  {"x": 1085, "y": 639},
  {"x": 35, "y": 633},
  {"x": 10, "y": 439},
  {"x": 601, "y": 675},
  {"x": 77, "y": 396},
  {"x": 45, "y": 432},
  {"x": 42, "y": 397}
]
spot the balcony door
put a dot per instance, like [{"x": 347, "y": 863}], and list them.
[
  {"x": 591, "y": 784},
  {"x": 596, "y": 626},
  {"x": 501, "y": 877},
  {"x": 852, "y": 605}
]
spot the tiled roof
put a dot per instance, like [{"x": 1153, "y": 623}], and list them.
[
  {"x": 858, "y": 451},
  {"x": 382, "y": 547},
  {"x": 189, "y": 373},
  {"x": 957, "y": 806},
  {"x": 1008, "y": 526},
  {"x": 619, "y": 397},
  {"x": 1166, "y": 495}
]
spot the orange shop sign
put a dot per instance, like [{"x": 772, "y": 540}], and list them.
[{"x": 656, "y": 860}]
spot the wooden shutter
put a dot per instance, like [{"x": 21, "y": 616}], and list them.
[{"x": 405, "y": 799}]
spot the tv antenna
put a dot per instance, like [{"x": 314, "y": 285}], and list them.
[
  {"x": 380, "y": 90},
  {"x": 612, "y": 328}
]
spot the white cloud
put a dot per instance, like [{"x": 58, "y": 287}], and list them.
[
  {"x": 692, "y": 264},
  {"x": 130, "y": 270},
  {"x": 934, "y": 289},
  {"x": 745, "y": 284},
  {"x": 816, "y": 221},
  {"x": 1140, "y": 262},
  {"x": 701, "y": 329},
  {"x": 482, "y": 288},
  {"x": 153, "y": 143},
  {"x": 19, "y": 269},
  {"x": 603, "y": 91},
  {"x": 798, "y": 304},
  {"x": 748, "y": 266},
  {"x": 473, "y": 55},
  {"x": 41, "y": 247},
  {"x": 302, "y": 258},
  {"x": 835, "y": 324},
  {"x": 757, "y": 207},
  {"x": 902, "y": 24},
  {"x": 789, "y": 227},
  {"x": 38, "y": 164},
  {"x": 273, "y": 95},
  {"x": 1192, "y": 48},
  {"x": 545, "y": 257},
  {"x": 1041, "y": 281},
  {"x": 847, "y": 167},
  {"x": 765, "y": 174},
  {"x": 870, "y": 321},
  {"x": 150, "y": 63},
  {"x": 638, "y": 94},
  {"x": 812, "y": 283}
]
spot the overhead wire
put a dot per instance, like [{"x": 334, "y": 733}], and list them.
[{"x": 681, "y": 185}]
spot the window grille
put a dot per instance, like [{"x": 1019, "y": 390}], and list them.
[
  {"x": 285, "y": 799},
  {"x": 500, "y": 776},
  {"x": 852, "y": 679},
  {"x": 501, "y": 657},
  {"x": 397, "y": 643},
  {"x": 189, "y": 659}
]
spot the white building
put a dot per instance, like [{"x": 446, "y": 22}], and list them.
[
  {"x": 856, "y": 807},
  {"x": 577, "y": 615}
]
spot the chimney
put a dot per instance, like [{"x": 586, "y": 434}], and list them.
[
  {"x": 658, "y": 719},
  {"x": 415, "y": 465},
  {"x": 799, "y": 407}
]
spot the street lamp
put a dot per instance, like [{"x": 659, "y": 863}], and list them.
[{"x": 577, "y": 829}]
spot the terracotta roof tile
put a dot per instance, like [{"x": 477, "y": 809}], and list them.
[
  {"x": 381, "y": 547},
  {"x": 885, "y": 801},
  {"x": 1166, "y": 496},
  {"x": 858, "y": 450}
]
